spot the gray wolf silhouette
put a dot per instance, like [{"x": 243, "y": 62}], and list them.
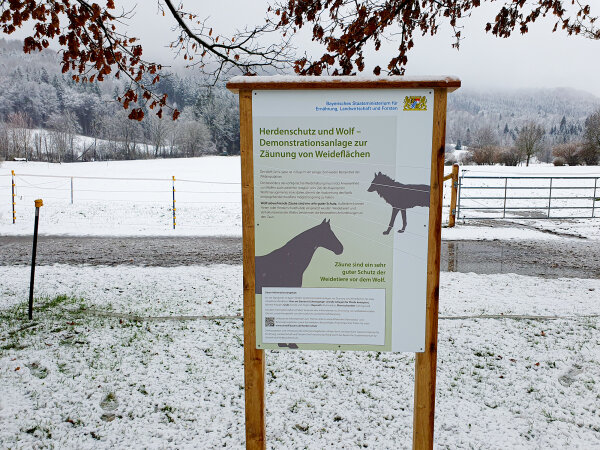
[
  {"x": 399, "y": 196},
  {"x": 285, "y": 266}
]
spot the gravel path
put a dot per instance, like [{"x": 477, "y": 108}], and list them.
[
  {"x": 133, "y": 251},
  {"x": 552, "y": 259}
]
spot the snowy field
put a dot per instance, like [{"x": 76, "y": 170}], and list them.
[
  {"x": 125, "y": 198},
  {"x": 80, "y": 378},
  {"x": 133, "y": 198},
  {"x": 152, "y": 357}
]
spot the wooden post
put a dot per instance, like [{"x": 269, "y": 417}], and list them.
[
  {"x": 254, "y": 359},
  {"x": 549, "y": 198},
  {"x": 505, "y": 192},
  {"x": 426, "y": 362},
  {"x": 452, "y": 220}
]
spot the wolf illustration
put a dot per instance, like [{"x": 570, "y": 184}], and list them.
[{"x": 399, "y": 196}]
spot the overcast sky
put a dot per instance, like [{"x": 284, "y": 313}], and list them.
[{"x": 538, "y": 59}]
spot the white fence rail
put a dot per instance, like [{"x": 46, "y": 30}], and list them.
[{"x": 528, "y": 197}]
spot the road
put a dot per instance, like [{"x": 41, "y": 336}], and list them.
[
  {"x": 114, "y": 251},
  {"x": 575, "y": 258}
]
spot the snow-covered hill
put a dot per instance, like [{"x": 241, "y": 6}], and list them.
[{"x": 561, "y": 109}]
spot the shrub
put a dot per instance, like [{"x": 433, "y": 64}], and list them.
[
  {"x": 588, "y": 155},
  {"x": 483, "y": 155},
  {"x": 509, "y": 156},
  {"x": 558, "y": 161},
  {"x": 569, "y": 153}
]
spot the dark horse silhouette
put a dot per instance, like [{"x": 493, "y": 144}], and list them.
[
  {"x": 285, "y": 266},
  {"x": 399, "y": 196}
]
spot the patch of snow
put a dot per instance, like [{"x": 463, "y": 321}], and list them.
[
  {"x": 126, "y": 198},
  {"x": 135, "y": 198},
  {"x": 157, "y": 291},
  {"x": 502, "y": 383}
]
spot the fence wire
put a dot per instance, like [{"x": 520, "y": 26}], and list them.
[
  {"x": 101, "y": 202},
  {"x": 94, "y": 203}
]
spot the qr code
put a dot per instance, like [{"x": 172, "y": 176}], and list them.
[{"x": 269, "y": 321}]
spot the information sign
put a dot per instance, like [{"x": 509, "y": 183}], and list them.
[{"x": 341, "y": 212}]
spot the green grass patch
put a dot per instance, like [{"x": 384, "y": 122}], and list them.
[
  {"x": 41, "y": 305},
  {"x": 48, "y": 315}
]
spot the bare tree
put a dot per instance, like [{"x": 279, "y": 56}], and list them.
[
  {"x": 64, "y": 128},
  {"x": 95, "y": 45},
  {"x": 4, "y": 141},
  {"x": 484, "y": 146},
  {"x": 95, "y": 129},
  {"x": 20, "y": 134},
  {"x": 194, "y": 137},
  {"x": 485, "y": 136},
  {"x": 129, "y": 135},
  {"x": 38, "y": 140},
  {"x": 172, "y": 139},
  {"x": 509, "y": 156},
  {"x": 529, "y": 140},
  {"x": 109, "y": 131},
  {"x": 157, "y": 130}
]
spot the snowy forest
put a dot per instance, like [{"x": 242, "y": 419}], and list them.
[
  {"x": 46, "y": 116},
  {"x": 510, "y": 127}
]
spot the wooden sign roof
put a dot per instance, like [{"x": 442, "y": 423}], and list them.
[{"x": 292, "y": 82}]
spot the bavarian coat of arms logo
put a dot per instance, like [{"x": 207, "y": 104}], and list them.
[{"x": 415, "y": 103}]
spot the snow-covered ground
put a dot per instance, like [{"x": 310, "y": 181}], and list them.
[
  {"x": 125, "y": 198},
  {"x": 518, "y": 356},
  {"x": 78, "y": 379},
  {"x": 132, "y": 198}
]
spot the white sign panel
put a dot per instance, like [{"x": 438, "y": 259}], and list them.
[
  {"x": 323, "y": 315},
  {"x": 341, "y": 202}
]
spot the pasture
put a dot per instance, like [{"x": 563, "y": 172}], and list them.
[
  {"x": 133, "y": 198},
  {"x": 129, "y": 355},
  {"x": 110, "y": 361}
]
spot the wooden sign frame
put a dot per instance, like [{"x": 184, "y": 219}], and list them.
[{"x": 426, "y": 362}]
